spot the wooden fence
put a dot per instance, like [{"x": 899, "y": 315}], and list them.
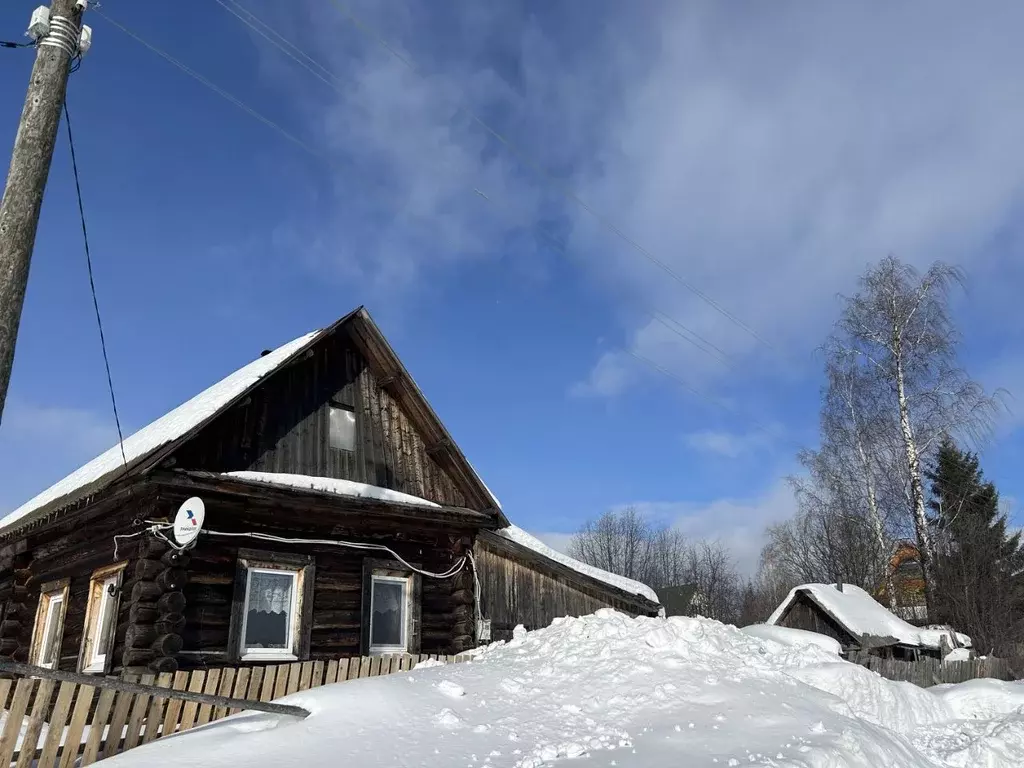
[
  {"x": 51, "y": 725},
  {"x": 928, "y": 672}
]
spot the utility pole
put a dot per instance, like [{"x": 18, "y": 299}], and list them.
[{"x": 30, "y": 165}]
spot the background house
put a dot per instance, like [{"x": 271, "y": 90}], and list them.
[
  {"x": 859, "y": 622},
  {"x": 341, "y": 519}
]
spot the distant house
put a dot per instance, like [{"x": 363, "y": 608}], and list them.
[
  {"x": 908, "y": 580},
  {"x": 681, "y": 600},
  {"x": 341, "y": 519},
  {"x": 860, "y": 623}
]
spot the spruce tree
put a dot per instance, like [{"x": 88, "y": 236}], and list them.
[{"x": 979, "y": 587}]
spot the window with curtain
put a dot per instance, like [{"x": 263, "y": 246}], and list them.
[{"x": 270, "y": 611}]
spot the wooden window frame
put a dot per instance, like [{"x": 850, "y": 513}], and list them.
[
  {"x": 95, "y": 613},
  {"x": 302, "y": 596},
  {"x": 48, "y": 592},
  {"x": 391, "y": 569}
]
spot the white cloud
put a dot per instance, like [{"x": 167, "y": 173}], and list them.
[
  {"x": 731, "y": 445},
  {"x": 768, "y": 158},
  {"x": 738, "y": 523},
  {"x": 48, "y": 442}
]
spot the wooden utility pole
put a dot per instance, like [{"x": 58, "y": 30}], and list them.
[{"x": 30, "y": 165}]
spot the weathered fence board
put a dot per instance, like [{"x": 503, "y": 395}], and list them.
[
  {"x": 929, "y": 672},
  {"x": 95, "y": 717}
]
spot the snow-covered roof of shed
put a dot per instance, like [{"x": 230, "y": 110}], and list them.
[
  {"x": 107, "y": 466},
  {"x": 861, "y": 614},
  {"x": 519, "y": 536},
  {"x": 331, "y": 485}
]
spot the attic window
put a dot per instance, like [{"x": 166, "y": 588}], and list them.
[{"x": 342, "y": 428}]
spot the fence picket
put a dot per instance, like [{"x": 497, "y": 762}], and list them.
[
  {"x": 227, "y": 681},
  {"x": 174, "y": 705},
  {"x": 294, "y": 671},
  {"x": 212, "y": 684},
  {"x": 15, "y": 717},
  {"x": 305, "y": 675},
  {"x": 73, "y": 737},
  {"x": 134, "y": 733},
  {"x": 118, "y": 719},
  {"x": 30, "y": 741},
  {"x": 332, "y": 672},
  {"x": 281, "y": 683},
  {"x": 58, "y": 717},
  {"x": 99, "y": 722},
  {"x": 269, "y": 680},
  {"x": 191, "y": 708},
  {"x": 156, "y": 709}
]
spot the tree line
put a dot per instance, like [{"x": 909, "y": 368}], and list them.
[{"x": 893, "y": 472}]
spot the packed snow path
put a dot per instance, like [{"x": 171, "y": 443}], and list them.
[{"x": 616, "y": 691}]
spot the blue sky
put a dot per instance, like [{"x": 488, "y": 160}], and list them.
[{"x": 765, "y": 153}]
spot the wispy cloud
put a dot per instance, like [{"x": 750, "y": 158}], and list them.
[
  {"x": 737, "y": 523},
  {"x": 731, "y": 445},
  {"x": 49, "y": 441}
]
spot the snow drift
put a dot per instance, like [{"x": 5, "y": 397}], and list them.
[{"x": 626, "y": 692}]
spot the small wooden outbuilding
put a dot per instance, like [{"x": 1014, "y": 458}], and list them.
[
  {"x": 851, "y": 616},
  {"x": 341, "y": 520}
]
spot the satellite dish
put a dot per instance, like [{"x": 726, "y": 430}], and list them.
[{"x": 189, "y": 521}]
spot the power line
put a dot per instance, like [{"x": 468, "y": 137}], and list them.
[
  {"x": 563, "y": 189},
  {"x": 213, "y": 87},
  {"x": 92, "y": 286}
]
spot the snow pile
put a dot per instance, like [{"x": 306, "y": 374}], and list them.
[
  {"x": 523, "y": 539},
  {"x": 107, "y": 466},
  {"x": 648, "y": 692},
  {"x": 330, "y": 485},
  {"x": 861, "y": 614}
]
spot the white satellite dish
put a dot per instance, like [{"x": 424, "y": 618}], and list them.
[{"x": 189, "y": 521}]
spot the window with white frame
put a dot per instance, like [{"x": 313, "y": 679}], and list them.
[
  {"x": 49, "y": 624},
  {"x": 101, "y": 619},
  {"x": 271, "y": 619},
  {"x": 391, "y": 608},
  {"x": 389, "y": 614}
]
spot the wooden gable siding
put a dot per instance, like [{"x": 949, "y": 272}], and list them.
[
  {"x": 804, "y": 613},
  {"x": 284, "y": 427},
  {"x": 517, "y": 588}
]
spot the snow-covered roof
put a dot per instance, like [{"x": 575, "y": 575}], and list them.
[
  {"x": 109, "y": 465},
  {"x": 331, "y": 485},
  {"x": 861, "y": 614},
  {"x": 523, "y": 539}
]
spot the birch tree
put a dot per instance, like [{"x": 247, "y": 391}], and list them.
[{"x": 899, "y": 324}]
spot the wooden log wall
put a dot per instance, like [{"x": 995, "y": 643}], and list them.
[
  {"x": 154, "y": 591},
  {"x": 284, "y": 427},
  {"x": 73, "y": 548},
  {"x": 518, "y": 588},
  {"x": 338, "y": 612},
  {"x": 18, "y": 609}
]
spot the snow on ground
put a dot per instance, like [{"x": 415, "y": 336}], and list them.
[
  {"x": 330, "y": 485},
  {"x": 622, "y": 692},
  {"x": 523, "y": 539}
]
